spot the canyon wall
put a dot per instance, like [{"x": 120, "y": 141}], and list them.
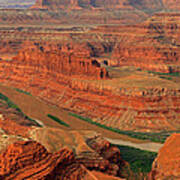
[
  {"x": 68, "y": 59},
  {"x": 127, "y": 108},
  {"x": 153, "y": 45}
]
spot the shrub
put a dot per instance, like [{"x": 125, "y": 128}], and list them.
[
  {"x": 58, "y": 120},
  {"x": 139, "y": 160},
  {"x": 22, "y": 91}
]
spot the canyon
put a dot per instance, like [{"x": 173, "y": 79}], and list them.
[
  {"x": 79, "y": 71},
  {"x": 63, "y": 155},
  {"x": 33, "y": 152},
  {"x": 112, "y": 65}
]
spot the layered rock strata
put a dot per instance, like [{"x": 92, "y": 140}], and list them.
[
  {"x": 116, "y": 4},
  {"x": 151, "y": 109},
  {"x": 30, "y": 160},
  {"x": 65, "y": 69},
  {"x": 75, "y": 4},
  {"x": 61, "y": 59},
  {"x": 27, "y": 159}
]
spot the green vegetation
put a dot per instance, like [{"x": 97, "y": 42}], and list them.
[
  {"x": 24, "y": 92},
  {"x": 167, "y": 76},
  {"x": 176, "y": 74},
  {"x": 58, "y": 120},
  {"x": 10, "y": 104},
  {"x": 139, "y": 160},
  {"x": 138, "y": 69},
  {"x": 164, "y": 77},
  {"x": 155, "y": 137}
]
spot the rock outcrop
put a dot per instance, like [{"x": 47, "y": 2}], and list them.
[
  {"x": 68, "y": 59},
  {"x": 23, "y": 157},
  {"x": 153, "y": 45},
  {"x": 166, "y": 165},
  {"x": 129, "y": 108},
  {"x": 30, "y": 160},
  {"x": 91, "y": 149},
  {"x": 108, "y": 152}
]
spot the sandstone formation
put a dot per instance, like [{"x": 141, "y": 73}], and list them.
[
  {"x": 23, "y": 158},
  {"x": 100, "y": 72},
  {"x": 71, "y": 12},
  {"x": 75, "y": 4},
  {"x": 130, "y": 108},
  {"x": 64, "y": 59},
  {"x": 166, "y": 165},
  {"x": 64, "y": 66},
  {"x": 91, "y": 149},
  {"x": 171, "y": 4},
  {"x": 116, "y": 4},
  {"x": 153, "y": 45},
  {"x": 108, "y": 152},
  {"x": 30, "y": 160}
]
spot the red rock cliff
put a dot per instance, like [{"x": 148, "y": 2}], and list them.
[{"x": 67, "y": 59}]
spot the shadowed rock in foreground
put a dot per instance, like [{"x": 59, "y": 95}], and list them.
[{"x": 30, "y": 160}]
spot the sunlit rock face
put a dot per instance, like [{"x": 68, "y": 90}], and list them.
[{"x": 166, "y": 165}]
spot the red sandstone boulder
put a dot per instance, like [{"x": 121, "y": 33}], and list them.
[
  {"x": 108, "y": 152},
  {"x": 167, "y": 163}
]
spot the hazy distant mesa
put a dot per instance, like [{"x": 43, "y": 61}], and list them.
[{"x": 16, "y": 3}]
